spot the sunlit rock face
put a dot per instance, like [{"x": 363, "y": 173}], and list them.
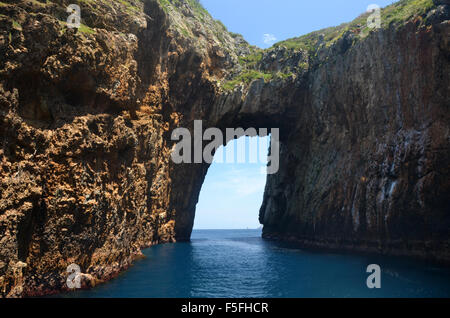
[{"x": 86, "y": 119}]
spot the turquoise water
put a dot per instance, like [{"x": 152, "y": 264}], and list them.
[{"x": 238, "y": 263}]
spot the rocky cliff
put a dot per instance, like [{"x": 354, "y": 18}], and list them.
[{"x": 86, "y": 118}]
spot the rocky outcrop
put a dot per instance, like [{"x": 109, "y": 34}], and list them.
[
  {"x": 369, "y": 158},
  {"x": 86, "y": 117}
]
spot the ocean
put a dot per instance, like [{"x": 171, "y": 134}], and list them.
[{"x": 239, "y": 263}]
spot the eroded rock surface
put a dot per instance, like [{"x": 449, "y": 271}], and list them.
[
  {"x": 369, "y": 158},
  {"x": 86, "y": 117}
]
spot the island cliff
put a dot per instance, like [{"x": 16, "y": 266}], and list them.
[{"x": 86, "y": 117}]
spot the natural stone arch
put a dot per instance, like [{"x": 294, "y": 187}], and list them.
[
  {"x": 189, "y": 178},
  {"x": 334, "y": 189},
  {"x": 86, "y": 116},
  {"x": 261, "y": 105}
]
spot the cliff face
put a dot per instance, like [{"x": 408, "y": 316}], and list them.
[
  {"x": 86, "y": 118},
  {"x": 367, "y": 165}
]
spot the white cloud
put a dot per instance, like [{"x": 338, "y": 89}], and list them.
[
  {"x": 269, "y": 38},
  {"x": 241, "y": 183}
]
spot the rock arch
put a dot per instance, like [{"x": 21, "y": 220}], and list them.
[{"x": 86, "y": 175}]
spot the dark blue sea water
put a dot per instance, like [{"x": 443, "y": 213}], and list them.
[{"x": 238, "y": 263}]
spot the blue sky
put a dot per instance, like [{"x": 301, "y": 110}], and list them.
[
  {"x": 232, "y": 193},
  {"x": 283, "y": 19}
]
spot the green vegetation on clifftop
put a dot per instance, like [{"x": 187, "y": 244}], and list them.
[
  {"x": 246, "y": 78},
  {"x": 395, "y": 14}
]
